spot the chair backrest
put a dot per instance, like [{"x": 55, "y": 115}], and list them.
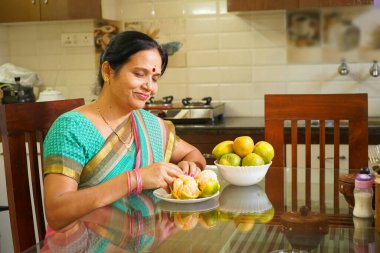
[
  {"x": 23, "y": 128},
  {"x": 305, "y": 108}
]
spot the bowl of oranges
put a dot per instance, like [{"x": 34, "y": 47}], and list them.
[{"x": 242, "y": 162}]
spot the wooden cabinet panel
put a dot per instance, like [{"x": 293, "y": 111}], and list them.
[
  {"x": 248, "y": 5},
  {"x": 19, "y": 10},
  {"x": 45, "y": 10},
  {"x": 70, "y": 9}
]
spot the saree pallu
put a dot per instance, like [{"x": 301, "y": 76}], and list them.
[{"x": 75, "y": 148}]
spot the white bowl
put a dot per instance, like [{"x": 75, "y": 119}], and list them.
[
  {"x": 50, "y": 95},
  {"x": 244, "y": 200},
  {"x": 243, "y": 175}
]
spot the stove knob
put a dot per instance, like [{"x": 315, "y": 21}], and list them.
[{"x": 186, "y": 101}]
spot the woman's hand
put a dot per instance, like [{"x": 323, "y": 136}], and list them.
[
  {"x": 189, "y": 168},
  {"x": 160, "y": 175}
]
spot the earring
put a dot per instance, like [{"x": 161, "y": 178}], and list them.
[{"x": 106, "y": 80}]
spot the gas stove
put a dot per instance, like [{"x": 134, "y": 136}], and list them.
[{"x": 187, "y": 111}]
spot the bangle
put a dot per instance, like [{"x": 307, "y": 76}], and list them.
[
  {"x": 138, "y": 181},
  {"x": 129, "y": 183}
]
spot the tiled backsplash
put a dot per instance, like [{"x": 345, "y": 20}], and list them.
[{"x": 233, "y": 57}]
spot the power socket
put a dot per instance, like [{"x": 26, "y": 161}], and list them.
[{"x": 77, "y": 39}]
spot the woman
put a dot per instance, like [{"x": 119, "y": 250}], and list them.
[{"x": 110, "y": 148}]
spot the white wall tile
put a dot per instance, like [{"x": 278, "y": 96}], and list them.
[
  {"x": 236, "y": 40},
  {"x": 173, "y": 76},
  {"x": 270, "y": 73},
  {"x": 235, "y": 57},
  {"x": 21, "y": 47},
  {"x": 305, "y": 73},
  {"x": 169, "y": 9},
  {"x": 269, "y": 56},
  {"x": 197, "y": 92},
  {"x": 202, "y": 41},
  {"x": 3, "y": 33},
  {"x": 239, "y": 108},
  {"x": 201, "y": 7},
  {"x": 264, "y": 21},
  {"x": 22, "y": 32},
  {"x": 232, "y": 74},
  {"x": 304, "y": 87},
  {"x": 232, "y": 23},
  {"x": 30, "y": 62},
  {"x": 374, "y": 107},
  {"x": 201, "y": 25},
  {"x": 137, "y": 11},
  {"x": 178, "y": 91},
  {"x": 269, "y": 39},
  {"x": 202, "y": 58},
  {"x": 203, "y": 75},
  {"x": 4, "y": 50},
  {"x": 262, "y": 88},
  {"x": 236, "y": 91}
]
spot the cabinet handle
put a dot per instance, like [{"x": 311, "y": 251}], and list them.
[
  {"x": 45, "y": 1},
  {"x": 332, "y": 158}
]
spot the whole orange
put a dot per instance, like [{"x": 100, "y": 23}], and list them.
[{"x": 243, "y": 145}]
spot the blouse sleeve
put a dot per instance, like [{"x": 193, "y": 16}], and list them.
[{"x": 64, "y": 152}]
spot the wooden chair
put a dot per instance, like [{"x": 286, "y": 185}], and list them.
[
  {"x": 23, "y": 128},
  {"x": 303, "y": 108}
]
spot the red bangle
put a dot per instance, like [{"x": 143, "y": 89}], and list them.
[
  {"x": 129, "y": 183},
  {"x": 139, "y": 181}
]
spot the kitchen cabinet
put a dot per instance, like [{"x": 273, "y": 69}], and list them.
[
  {"x": 332, "y": 3},
  {"x": 47, "y": 10},
  {"x": 248, "y": 5}
]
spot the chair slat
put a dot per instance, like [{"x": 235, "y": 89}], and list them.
[{"x": 308, "y": 162}]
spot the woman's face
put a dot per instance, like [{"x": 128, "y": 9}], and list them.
[{"x": 137, "y": 80}]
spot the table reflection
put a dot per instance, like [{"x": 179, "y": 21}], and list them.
[{"x": 240, "y": 219}]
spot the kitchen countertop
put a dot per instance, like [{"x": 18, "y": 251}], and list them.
[{"x": 249, "y": 125}]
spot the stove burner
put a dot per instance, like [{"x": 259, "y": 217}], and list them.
[
  {"x": 166, "y": 101},
  {"x": 187, "y": 102}
]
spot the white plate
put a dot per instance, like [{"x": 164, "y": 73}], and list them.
[
  {"x": 162, "y": 194},
  {"x": 201, "y": 207}
]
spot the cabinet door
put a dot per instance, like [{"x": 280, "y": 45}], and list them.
[
  {"x": 248, "y": 5},
  {"x": 70, "y": 9},
  {"x": 314, "y": 3},
  {"x": 350, "y": 2},
  {"x": 19, "y": 10}
]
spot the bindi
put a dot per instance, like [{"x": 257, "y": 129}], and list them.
[{"x": 154, "y": 69}]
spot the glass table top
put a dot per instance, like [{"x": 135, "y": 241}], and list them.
[{"x": 240, "y": 219}]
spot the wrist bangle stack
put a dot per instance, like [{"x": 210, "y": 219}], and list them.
[{"x": 138, "y": 181}]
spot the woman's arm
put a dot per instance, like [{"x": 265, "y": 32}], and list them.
[
  {"x": 188, "y": 158},
  {"x": 64, "y": 203}
]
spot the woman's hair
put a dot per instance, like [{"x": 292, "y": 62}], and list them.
[{"x": 125, "y": 44}]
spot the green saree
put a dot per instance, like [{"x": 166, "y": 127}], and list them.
[{"x": 75, "y": 148}]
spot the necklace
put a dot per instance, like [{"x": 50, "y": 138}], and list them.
[{"x": 128, "y": 142}]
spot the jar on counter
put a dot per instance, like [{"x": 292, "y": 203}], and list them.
[{"x": 363, "y": 194}]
